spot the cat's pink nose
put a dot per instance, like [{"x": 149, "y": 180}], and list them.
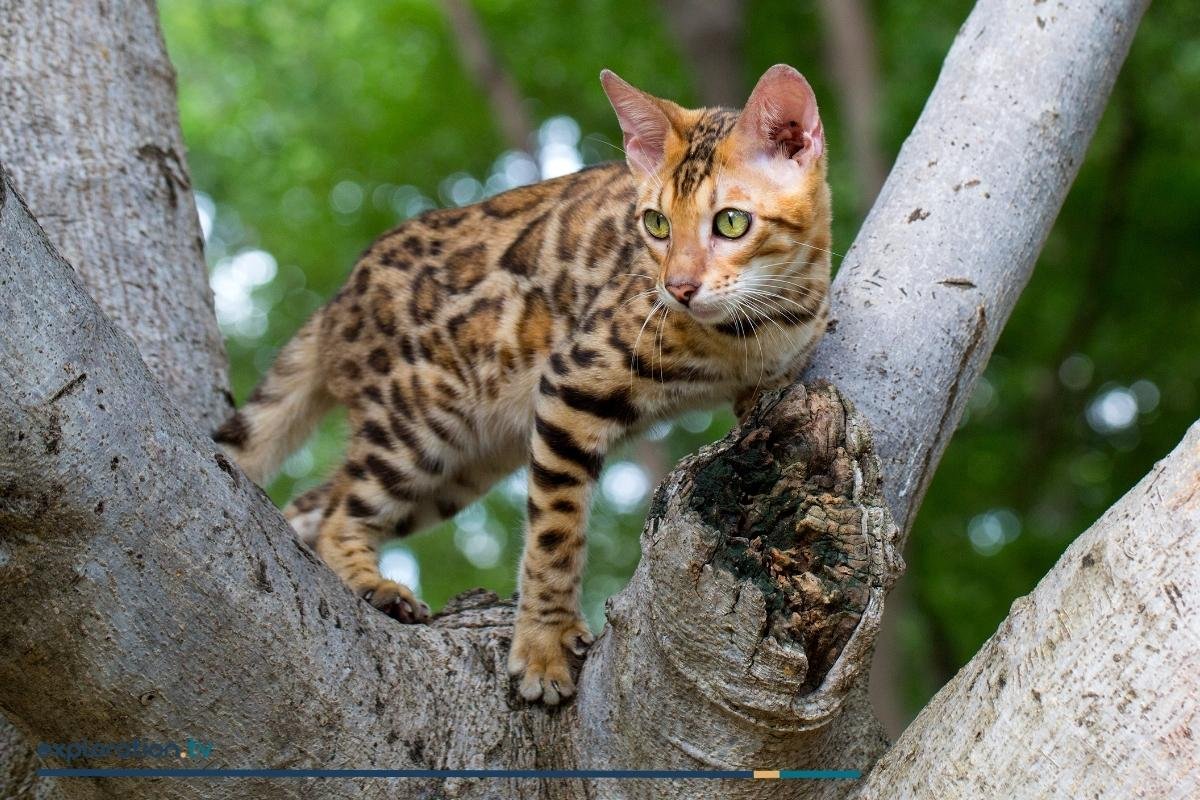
[{"x": 683, "y": 291}]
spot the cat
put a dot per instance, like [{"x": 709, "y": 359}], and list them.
[{"x": 545, "y": 325}]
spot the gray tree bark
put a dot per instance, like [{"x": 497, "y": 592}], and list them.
[
  {"x": 925, "y": 289},
  {"x": 90, "y": 133},
  {"x": 154, "y": 592},
  {"x": 89, "y": 129},
  {"x": 1091, "y": 687}
]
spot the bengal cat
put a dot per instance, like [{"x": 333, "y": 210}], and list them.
[{"x": 545, "y": 325}]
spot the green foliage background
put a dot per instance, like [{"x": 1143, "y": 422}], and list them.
[{"x": 314, "y": 126}]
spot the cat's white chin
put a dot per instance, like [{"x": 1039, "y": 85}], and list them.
[{"x": 707, "y": 314}]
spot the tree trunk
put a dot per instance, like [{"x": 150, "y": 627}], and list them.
[
  {"x": 925, "y": 289},
  {"x": 1091, "y": 687},
  {"x": 153, "y": 592},
  {"x": 90, "y": 132}
]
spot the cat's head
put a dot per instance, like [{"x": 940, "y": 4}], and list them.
[{"x": 733, "y": 205}]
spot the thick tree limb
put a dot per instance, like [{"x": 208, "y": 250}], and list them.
[
  {"x": 1091, "y": 687},
  {"x": 90, "y": 129},
  {"x": 90, "y": 133},
  {"x": 129, "y": 545},
  {"x": 18, "y": 768},
  {"x": 927, "y": 286}
]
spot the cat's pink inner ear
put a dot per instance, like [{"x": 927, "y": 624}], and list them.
[
  {"x": 781, "y": 116},
  {"x": 644, "y": 124}
]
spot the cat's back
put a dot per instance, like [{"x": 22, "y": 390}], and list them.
[
  {"x": 452, "y": 286},
  {"x": 517, "y": 231}
]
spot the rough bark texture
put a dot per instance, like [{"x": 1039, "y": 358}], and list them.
[
  {"x": 1091, "y": 687},
  {"x": 130, "y": 544},
  {"x": 89, "y": 131},
  {"x": 927, "y": 286},
  {"x": 744, "y": 634},
  {"x": 18, "y": 768},
  {"x": 153, "y": 592}
]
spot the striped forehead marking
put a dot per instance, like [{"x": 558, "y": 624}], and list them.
[{"x": 703, "y": 138}]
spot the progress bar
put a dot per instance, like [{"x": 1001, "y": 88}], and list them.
[{"x": 538, "y": 774}]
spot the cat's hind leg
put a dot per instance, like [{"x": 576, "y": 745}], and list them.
[
  {"x": 349, "y": 542},
  {"x": 381, "y": 492}
]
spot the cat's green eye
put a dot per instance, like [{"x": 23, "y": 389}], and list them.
[
  {"x": 731, "y": 223},
  {"x": 656, "y": 224}
]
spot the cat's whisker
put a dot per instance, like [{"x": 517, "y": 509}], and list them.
[
  {"x": 775, "y": 309},
  {"x": 739, "y": 312},
  {"x": 775, "y": 301},
  {"x": 771, "y": 314},
  {"x": 620, "y": 275},
  {"x": 758, "y": 305},
  {"x": 762, "y": 360},
  {"x": 636, "y": 357},
  {"x": 742, "y": 331},
  {"x": 799, "y": 284},
  {"x": 793, "y": 262},
  {"x": 795, "y": 283},
  {"x": 737, "y": 321},
  {"x": 731, "y": 306},
  {"x": 814, "y": 247},
  {"x": 662, "y": 376},
  {"x": 638, "y": 296},
  {"x": 779, "y": 289},
  {"x": 760, "y": 301}
]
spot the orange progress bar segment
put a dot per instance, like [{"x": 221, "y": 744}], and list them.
[{"x": 769, "y": 774}]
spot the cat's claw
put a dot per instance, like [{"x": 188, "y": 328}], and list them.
[
  {"x": 397, "y": 601},
  {"x": 579, "y": 642},
  {"x": 540, "y": 656}
]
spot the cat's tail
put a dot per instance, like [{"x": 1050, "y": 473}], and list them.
[{"x": 283, "y": 410}]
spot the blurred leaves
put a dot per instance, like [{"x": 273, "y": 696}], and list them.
[{"x": 313, "y": 127}]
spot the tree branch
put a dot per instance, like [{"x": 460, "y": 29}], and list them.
[
  {"x": 927, "y": 286},
  {"x": 90, "y": 130},
  {"x": 1091, "y": 687},
  {"x": 130, "y": 544}
]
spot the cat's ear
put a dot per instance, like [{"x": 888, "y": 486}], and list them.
[
  {"x": 645, "y": 125},
  {"x": 781, "y": 117}
]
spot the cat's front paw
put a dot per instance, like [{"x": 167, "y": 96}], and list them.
[
  {"x": 540, "y": 655},
  {"x": 396, "y": 600}
]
